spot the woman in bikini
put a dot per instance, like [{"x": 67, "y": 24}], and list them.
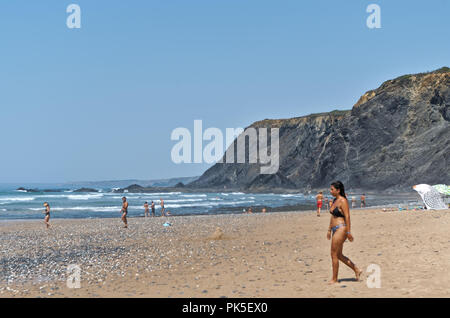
[
  {"x": 340, "y": 227},
  {"x": 47, "y": 214},
  {"x": 124, "y": 212}
]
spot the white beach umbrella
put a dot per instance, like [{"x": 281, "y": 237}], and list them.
[{"x": 430, "y": 196}]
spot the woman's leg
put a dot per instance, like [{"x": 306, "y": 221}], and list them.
[
  {"x": 336, "y": 246},
  {"x": 46, "y": 221},
  {"x": 124, "y": 219},
  {"x": 344, "y": 259}
]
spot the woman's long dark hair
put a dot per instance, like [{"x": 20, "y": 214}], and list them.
[{"x": 338, "y": 185}]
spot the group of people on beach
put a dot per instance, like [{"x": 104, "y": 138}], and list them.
[
  {"x": 250, "y": 210},
  {"x": 152, "y": 206},
  {"x": 321, "y": 199},
  {"x": 124, "y": 211},
  {"x": 339, "y": 229},
  {"x": 147, "y": 208}
]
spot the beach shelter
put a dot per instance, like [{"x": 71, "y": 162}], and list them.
[{"x": 430, "y": 197}]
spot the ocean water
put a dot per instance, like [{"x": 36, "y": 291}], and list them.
[
  {"x": 68, "y": 204},
  {"x": 20, "y": 205}
]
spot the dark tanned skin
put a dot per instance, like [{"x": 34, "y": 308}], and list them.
[
  {"x": 124, "y": 211},
  {"x": 319, "y": 198},
  {"x": 153, "y": 208},
  {"x": 147, "y": 211},
  {"x": 47, "y": 215},
  {"x": 339, "y": 237},
  {"x": 363, "y": 201},
  {"x": 162, "y": 207}
]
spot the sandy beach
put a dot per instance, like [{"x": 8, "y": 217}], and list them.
[{"x": 284, "y": 254}]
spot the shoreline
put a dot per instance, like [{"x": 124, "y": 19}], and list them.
[
  {"x": 99, "y": 206},
  {"x": 281, "y": 210},
  {"x": 377, "y": 202},
  {"x": 283, "y": 254}
]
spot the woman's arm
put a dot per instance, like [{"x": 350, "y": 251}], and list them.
[
  {"x": 346, "y": 211},
  {"x": 329, "y": 229},
  {"x": 329, "y": 226}
]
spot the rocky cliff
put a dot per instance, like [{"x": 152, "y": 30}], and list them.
[{"x": 394, "y": 137}]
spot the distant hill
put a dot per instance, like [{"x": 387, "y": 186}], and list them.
[
  {"x": 395, "y": 136},
  {"x": 125, "y": 183}
]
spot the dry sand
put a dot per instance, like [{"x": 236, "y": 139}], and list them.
[{"x": 282, "y": 254}]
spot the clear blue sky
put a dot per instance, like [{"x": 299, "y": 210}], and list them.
[{"x": 101, "y": 102}]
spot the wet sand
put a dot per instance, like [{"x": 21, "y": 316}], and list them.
[{"x": 283, "y": 254}]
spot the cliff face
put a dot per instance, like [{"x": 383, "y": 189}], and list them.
[{"x": 395, "y": 136}]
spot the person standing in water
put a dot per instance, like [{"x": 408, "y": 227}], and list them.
[
  {"x": 162, "y": 207},
  {"x": 353, "y": 202},
  {"x": 47, "y": 214},
  {"x": 153, "y": 208},
  {"x": 363, "y": 200},
  {"x": 340, "y": 226},
  {"x": 147, "y": 211},
  {"x": 319, "y": 199},
  {"x": 124, "y": 211}
]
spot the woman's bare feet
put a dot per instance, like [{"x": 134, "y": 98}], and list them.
[
  {"x": 358, "y": 273},
  {"x": 332, "y": 282}
]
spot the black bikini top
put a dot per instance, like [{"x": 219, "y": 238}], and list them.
[{"x": 336, "y": 212}]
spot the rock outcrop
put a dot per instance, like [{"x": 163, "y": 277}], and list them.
[
  {"x": 22, "y": 189},
  {"x": 394, "y": 137},
  {"x": 86, "y": 190}
]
